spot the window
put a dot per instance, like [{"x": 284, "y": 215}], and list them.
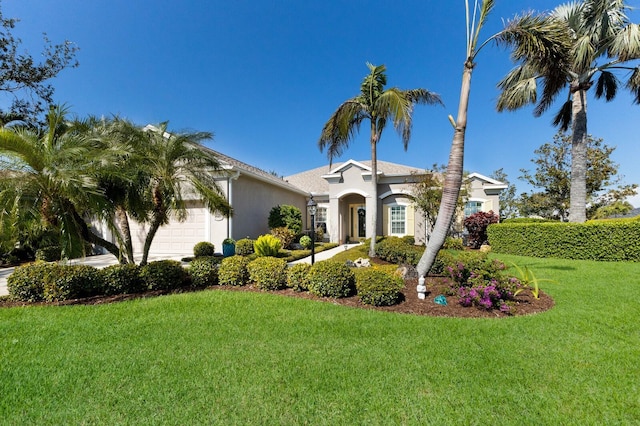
[
  {"x": 472, "y": 207},
  {"x": 321, "y": 218},
  {"x": 397, "y": 216}
]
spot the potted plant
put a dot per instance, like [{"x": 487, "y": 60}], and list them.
[{"x": 228, "y": 247}]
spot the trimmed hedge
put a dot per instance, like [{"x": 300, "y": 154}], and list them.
[
  {"x": 268, "y": 273},
  {"x": 164, "y": 275},
  {"x": 244, "y": 247},
  {"x": 605, "y": 240},
  {"x": 298, "y": 276},
  {"x": 204, "y": 271},
  {"x": 331, "y": 279},
  {"x": 65, "y": 282},
  {"x": 122, "y": 279},
  {"x": 204, "y": 248},
  {"x": 26, "y": 283},
  {"x": 233, "y": 271},
  {"x": 378, "y": 288}
]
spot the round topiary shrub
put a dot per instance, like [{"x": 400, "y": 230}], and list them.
[
  {"x": 268, "y": 273},
  {"x": 331, "y": 279},
  {"x": 122, "y": 279},
  {"x": 49, "y": 254},
  {"x": 26, "y": 283},
  {"x": 164, "y": 275},
  {"x": 378, "y": 288},
  {"x": 204, "y": 248},
  {"x": 267, "y": 245},
  {"x": 298, "y": 276},
  {"x": 66, "y": 282},
  {"x": 233, "y": 271},
  {"x": 305, "y": 241},
  {"x": 244, "y": 247},
  {"x": 204, "y": 271}
]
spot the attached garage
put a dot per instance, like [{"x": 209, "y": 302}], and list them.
[{"x": 175, "y": 238}]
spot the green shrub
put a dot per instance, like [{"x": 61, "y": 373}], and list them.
[
  {"x": 26, "y": 283},
  {"x": 477, "y": 225},
  {"x": 285, "y": 235},
  {"x": 298, "y": 276},
  {"x": 305, "y": 241},
  {"x": 122, "y": 279},
  {"x": 66, "y": 282},
  {"x": 204, "y": 271},
  {"x": 244, "y": 247},
  {"x": 396, "y": 250},
  {"x": 233, "y": 271},
  {"x": 204, "y": 248},
  {"x": 164, "y": 275},
  {"x": 604, "y": 240},
  {"x": 527, "y": 220},
  {"x": 49, "y": 254},
  {"x": 378, "y": 288},
  {"x": 331, "y": 279},
  {"x": 409, "y": 239},
  {"x": 268, "y": 273},
  {"x": 267, "y": 245},
  {"x": 451, "y": 243},
  {"x": 287, "y": 217}
]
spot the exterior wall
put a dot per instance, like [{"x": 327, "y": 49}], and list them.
[
  {"x": 252, "y": 200},
  {"x": 490, "y": 198}
]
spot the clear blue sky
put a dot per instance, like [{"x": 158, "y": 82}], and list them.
[{"x": 264, "y": 76}]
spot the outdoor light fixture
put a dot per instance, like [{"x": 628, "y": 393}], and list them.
[{"x": 312, "y": 206}]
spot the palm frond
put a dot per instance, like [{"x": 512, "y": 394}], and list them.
[
  {"x": 423, "y": 97},
  {"x": 584, "y": 54},
  {"x": 607, "y": 86},
  {"x": 633, "y": 84},
  {"x": 342, "y": 127},
  {"x": 23, "y": 145},
  {"x": 519, "y": 94},
  {"x": 563, "y": 118},
  {"x": 626, "y": 44},
  {"x": 571, "y": 13}
]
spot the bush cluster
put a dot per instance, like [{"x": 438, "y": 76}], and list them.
[
  {"x": 287, "y": 217},
  {"x": 164, "y": 275},
  {"x": 331, "y": 279},
  {"x": 396, "y": 250},
  {"x": 123, "y": 279},
  {"x": 452, "y": 243},
  {"x": 72, "y": 282},
  {"x": 267, "y": 245},
  {"x": 378, "y": 288},
  {"x": 204, "y": 248},
  {"x": 244, "y": 247},
  {"x": 604, "y": 240},
  {"x": 204, "y": 271},
  {"x": 285, "y": 235},
  {"x": 233, "y": 271},
  {"x": 477, "y": 225},
  {"x": 268, "y": 273},
  {"x": 26, "y": 283},
  {"x": 298, "y": 276},
  {"x": 49, "y": 254}
]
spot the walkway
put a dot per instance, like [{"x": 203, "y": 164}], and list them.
[{"x": 102, "y": 260}]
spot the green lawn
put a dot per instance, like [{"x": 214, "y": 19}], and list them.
[{"x": 246, "y": 358}]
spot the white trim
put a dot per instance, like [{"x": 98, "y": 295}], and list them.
[
  {"x": 493, "y": 184},
  {"x": 349, "y": 163},
  {"x": 404, "y": 191},
  {"x": 390, "y": 224},
  {"x": 352, "y": 191}
]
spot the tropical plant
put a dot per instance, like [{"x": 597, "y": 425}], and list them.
[
  {"x": 545, "y": 36},
  {"x": 603, "y": 41},
  {"x": 267, "y": 245},
  {"x": 378, "y": 106},
  {"x": 285, "y": 216},
  {"x": 49, "y": 176},
  {"x": 477, "y": 225}
]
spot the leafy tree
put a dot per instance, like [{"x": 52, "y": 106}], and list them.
[
  {"x": 603, "y": 41},
  {"x": 48, "y": 175},
  {"x": 286, "y": 216},
  {"x": 25, "y": 80},
  {"x": 477, "y": 225},
  {"x": 377, "y": 105},
  {"x": 427, "y": 195},
  {"x": 526, "y": 34},
  {"x": 553, "y": 176},
  {"x": 508, "y": 198}
]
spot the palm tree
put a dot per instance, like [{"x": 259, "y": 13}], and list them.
[
  {"x": 49, "y": 175},
  {"x": 603, "y": 41},
  {"x": 526, "y": 34},
  {"x": 377, "y": 105},
  {"x": 176, "y": 164}
]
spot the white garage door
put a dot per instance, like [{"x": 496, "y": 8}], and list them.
[{"x": 175, "y": 238}]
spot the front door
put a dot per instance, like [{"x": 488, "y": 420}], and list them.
[{"x": 358, "y": 220}]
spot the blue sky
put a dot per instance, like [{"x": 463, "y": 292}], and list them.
[{"x": 264, "y": 76}]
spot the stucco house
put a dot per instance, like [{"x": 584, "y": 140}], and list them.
[{"x": 342, "y": 193}]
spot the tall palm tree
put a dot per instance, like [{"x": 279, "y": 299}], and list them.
[
  {"x": 176, "y": 164},
  {"x": 526, "y": 34},
  {"x": 378, "y": 106},
  {"x": 49, "y": 174},
  {"x": 603, "y": 41}
]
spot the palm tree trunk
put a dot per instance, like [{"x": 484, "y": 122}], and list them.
[
  {"x": 453, "y": 178},
  {"x": 123, "y": 221},
  {"x": 156, "y": 221},
  {"x": 374, "y": 188},
  {"x": 578, "y": 194},
  {"x": 89, "y": 236}
]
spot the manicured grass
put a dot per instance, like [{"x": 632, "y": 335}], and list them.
[{"x": 246, "y": 358}]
